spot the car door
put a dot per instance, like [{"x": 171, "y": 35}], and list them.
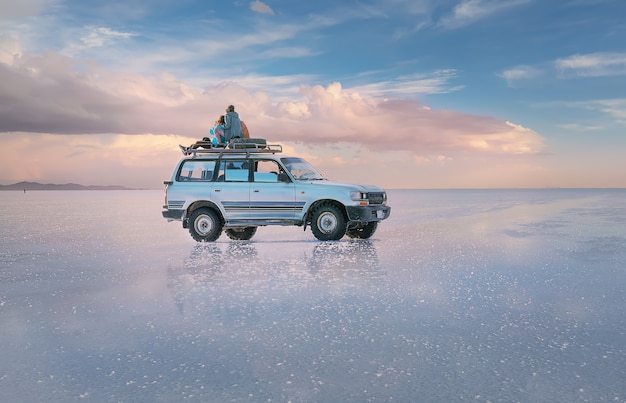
[
  {"x": 271, "y": 199},
  {"x": 232, "y": 189}
]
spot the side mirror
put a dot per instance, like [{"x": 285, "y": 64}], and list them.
[{"x": 282, "y": 177}]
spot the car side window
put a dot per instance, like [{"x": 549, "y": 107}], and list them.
[
  {"x": 266, "y": 171},
  {"x": 197, "y": 170},
  {"x": 233, "y": 171}
]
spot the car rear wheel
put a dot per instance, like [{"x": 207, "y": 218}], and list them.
[
  {"x": 328, "y": 223},
  {"x": 205, "y": 225}
]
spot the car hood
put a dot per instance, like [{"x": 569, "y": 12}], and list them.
[{"x": 350, "y": 186}]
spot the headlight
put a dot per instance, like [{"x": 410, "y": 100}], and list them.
[{"x": 358, "y": 195}]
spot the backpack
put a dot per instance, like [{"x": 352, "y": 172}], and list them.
[{"x": 244, "y": 131}]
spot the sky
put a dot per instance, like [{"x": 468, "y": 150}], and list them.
[{"x": 395, "y": 93}]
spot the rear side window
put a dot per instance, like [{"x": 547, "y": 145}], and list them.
[
  {"x": 197, "y": 170},
  {"x": 233, "y": 171}
]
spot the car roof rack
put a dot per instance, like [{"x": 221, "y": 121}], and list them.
[{"x": 240, "y": 147}]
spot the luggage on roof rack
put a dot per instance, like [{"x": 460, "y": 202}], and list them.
[{"x": 247, "y": 143}]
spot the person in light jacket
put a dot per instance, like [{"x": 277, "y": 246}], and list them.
[
  {"x": 232, "y": 124},
  {"x": 217, "y": 131}
]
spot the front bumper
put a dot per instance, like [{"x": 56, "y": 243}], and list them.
[{"x": 365, "y": 214}]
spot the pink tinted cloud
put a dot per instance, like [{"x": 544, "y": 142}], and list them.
[
  {"x": 50, "y": 94},
  {"x": 331, "y": 115}
]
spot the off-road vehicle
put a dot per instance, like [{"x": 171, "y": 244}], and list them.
[{"x": 250, "y": 184}]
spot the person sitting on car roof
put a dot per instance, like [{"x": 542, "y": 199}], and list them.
[{"x": 232, "y": 124}]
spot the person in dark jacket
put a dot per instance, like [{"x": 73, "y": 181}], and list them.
[{"x": 232, "y": 124}]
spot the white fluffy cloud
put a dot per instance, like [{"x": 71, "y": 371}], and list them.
[{"x": 593, "y": 64}]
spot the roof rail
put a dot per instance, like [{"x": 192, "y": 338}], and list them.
[{"x": 232, "y": 148}]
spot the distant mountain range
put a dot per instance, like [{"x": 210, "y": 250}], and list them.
[{"x": 51, "y": 186}]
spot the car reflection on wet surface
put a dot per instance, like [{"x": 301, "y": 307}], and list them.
[{"x": 461, "y": 295}]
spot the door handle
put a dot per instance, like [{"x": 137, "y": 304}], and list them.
[{"x": 217, "y": 190}]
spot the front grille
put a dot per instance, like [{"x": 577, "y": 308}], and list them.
[{"x": 376, "y": 197}]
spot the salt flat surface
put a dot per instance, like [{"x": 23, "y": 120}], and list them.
[{"x": 465, "y": 295}]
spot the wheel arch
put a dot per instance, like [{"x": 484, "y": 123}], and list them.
[
  {"x": 317, "y": 203},
  {"x": 199, "y": 204}
]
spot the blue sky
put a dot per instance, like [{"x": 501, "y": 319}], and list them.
[{"x": 453, "y": 93}]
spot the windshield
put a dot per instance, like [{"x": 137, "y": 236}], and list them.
[{"x": 301, "y": 170}]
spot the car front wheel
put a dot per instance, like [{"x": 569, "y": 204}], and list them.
[
  {"x": 205, "y": 225},
  {"x": 328, "y": 223}
]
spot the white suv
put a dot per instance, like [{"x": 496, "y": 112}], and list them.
[{"x": 248, "y": 185}]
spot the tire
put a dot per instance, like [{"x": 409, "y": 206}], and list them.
[
  {"x": 364, "y": 232},
  {"x": 241, "y": 234},
  {"x": 205, "y": 225},
  {"x": 328, "y": 223}
]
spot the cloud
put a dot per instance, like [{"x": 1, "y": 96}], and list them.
[
  {"x": 470, "y": 11},
  {"x": 519, "y": 73},
  {"x": 333, "y": 115},
  {"x": 10, "y": 48},
  {"x": 599, "y": 64},
  {"x": 261, "y": 7},
  {"x": 96, "y": 37},
  {"x": 615, "y": 108},
  {"x": 136, "y": 161},
  {"x": 592, "y": 65},
  {"x": 579, "y": 127},
  {"x": 80, "y": 113},
  {"x": 48, "y": 94},
  {"x": 437, "y": 82}
]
